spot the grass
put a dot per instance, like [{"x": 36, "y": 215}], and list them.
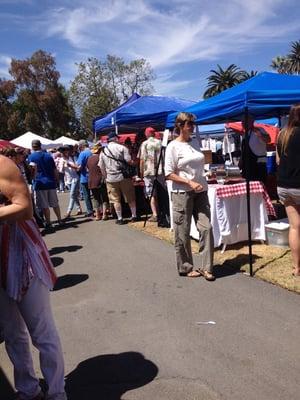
[{"x": 271, "y": 264}]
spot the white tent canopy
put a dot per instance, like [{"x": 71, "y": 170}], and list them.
[
  {"x": 26, "y": 139},
  {"x": 65, "y": 141}
]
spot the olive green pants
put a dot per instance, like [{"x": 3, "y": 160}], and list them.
[{"x": 185, "y": 206}]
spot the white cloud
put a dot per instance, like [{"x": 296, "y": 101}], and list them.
[
  {"x": 4, "y": 66},
  {"x": 168, "y": 34},
  {"x": 181, "y": 32},
  {"x": 164, "y": 85}
]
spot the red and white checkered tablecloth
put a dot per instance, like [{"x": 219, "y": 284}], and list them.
[{"x": 240, "y": 189}]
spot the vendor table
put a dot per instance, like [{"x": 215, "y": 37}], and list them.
[{"x": 229, "y": 212}]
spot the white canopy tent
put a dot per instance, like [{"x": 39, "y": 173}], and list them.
[
  {"x": 66, "y": 141},
  {"x": 26, "y": 139}
]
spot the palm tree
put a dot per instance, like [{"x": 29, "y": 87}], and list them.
[
  {"x": 223, "y": 79},
  {"x": 247, "y": 75},
  {"x": 289, "y": 64},
  {"x": 294, "y": 58},
  {"x": 280, "y": 64}
]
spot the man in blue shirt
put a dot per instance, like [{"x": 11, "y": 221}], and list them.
[
  {"x": 45, "y": 182},
  {"x": 81, "y": 162}
]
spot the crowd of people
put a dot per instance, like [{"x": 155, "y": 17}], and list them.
[{"x": 101, "y": 176}]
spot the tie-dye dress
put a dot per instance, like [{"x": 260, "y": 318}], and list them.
[{"x": 23, "y": 255}]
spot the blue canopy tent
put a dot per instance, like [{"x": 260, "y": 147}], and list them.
[
  {"x": 107, "y": 121},
  {"x": 263, "y": 96},
  {"x": 140, "y": 113}
]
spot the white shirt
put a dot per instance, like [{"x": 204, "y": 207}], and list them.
[
  {"x": 257, "y": 145},
  {"x": 70, "y": 173},
  {"x": 186, "y": 160},
  {"x": 110, "y": 168}
]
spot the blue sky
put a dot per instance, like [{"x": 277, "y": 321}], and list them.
[{"x": 182, "y": 39}]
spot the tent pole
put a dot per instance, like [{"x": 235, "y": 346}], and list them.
[{"x": 247, "y": 162}]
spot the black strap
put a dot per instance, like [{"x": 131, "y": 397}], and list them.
[{"x": 112, "y": 157}]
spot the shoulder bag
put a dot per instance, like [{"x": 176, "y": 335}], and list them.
[{"x": 127, "y": 170}]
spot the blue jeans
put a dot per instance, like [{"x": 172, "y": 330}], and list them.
[
  {"x": 74, "y": 195},
  {"x": 87, "y": 197},
  {"x": 61, "y": 181}
]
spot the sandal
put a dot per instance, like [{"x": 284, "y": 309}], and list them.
[
  {"x": 207, "y": 275},
  {"x": 191, "y": 274}
]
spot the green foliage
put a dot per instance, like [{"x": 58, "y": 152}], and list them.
[
  {"x": 289, "y": 64},
  {"x": 100, "y": 86},
  {"x": 36, "y": 100},
  {"x": 7, "y": 91},
  {"x": 222, "y": 79}
]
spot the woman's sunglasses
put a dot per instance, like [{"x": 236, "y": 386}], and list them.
[{"x": 189, "y": 123}]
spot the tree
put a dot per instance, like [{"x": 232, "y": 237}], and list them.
[
  {"x": 289, "y": 64},
  {"x": 41, "y": 103},
  {"x": 7, "y": 91},
  {"x": 90, "y": 94},
  {"x": 223, "y": 79},
  {"x": 100, "y": 86},
  {"x": 294, "y": 58},
  {"x": 248, "y": 75},
  {"x": 280, "y": 64}
]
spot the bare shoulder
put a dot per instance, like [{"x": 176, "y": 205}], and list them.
[{"x": 8, "y": 169}]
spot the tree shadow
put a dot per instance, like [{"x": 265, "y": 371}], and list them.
[
  {"x": 233, "y": 265},
  {"x": 6, "y": 391},
  {"x": 109, "y": 376},
  {"x": 57, "y": 261},
  {"x": 69, "y": 280},
  {"x": 63, "y": 249},
  {"x": 271, "y": 261}
]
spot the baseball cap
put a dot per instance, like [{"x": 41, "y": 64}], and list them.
[
  {"x": 112, "y": 136},
  {"x": 83, "y": 142},
  {"x": 149, "y": 131},
  {"x": 36, "y": 143}
]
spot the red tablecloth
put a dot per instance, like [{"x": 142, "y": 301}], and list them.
[{"x": 240, "y": 189}]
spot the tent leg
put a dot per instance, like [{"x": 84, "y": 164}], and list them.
[{"x": 247, "y": 137}]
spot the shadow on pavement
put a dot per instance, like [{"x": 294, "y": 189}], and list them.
[
  {"x": 69, "y": 280},
  {"x": 6, "y": 391},
  {"x": 66, "y": 225},
  {"x": 73, "y": 223},
  {"x": 63, "y": 249},
  {"x": 109, "y": 376},
  {"x": 233, "y": 265},
  {"x": 57, "y": 261}
]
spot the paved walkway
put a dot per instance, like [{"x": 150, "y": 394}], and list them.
[{"x": 129, "y": 327}]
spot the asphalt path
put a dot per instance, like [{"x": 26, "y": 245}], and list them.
[{"x": 129, "y": 325}]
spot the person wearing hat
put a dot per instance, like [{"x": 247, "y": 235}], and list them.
[
  {"x": 45, "y": 182},
  {"x": 149, "y": 156},
  {"x": 96, "y": 184},
  {"x": 81, "y": 162},
  {"x": 112, "y": 158}
]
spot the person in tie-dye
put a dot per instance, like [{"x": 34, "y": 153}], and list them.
[{"x": 26, "y": 276}]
